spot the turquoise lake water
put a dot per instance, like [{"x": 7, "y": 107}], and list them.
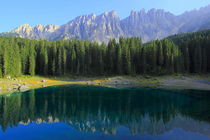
[{"x": 98, "y": 113}]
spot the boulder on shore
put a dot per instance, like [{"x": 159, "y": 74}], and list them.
[
  {"x": 23, "y": 88},
  {"x": 43, "y": 81}
]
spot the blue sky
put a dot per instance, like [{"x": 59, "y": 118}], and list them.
[{"x": 16, "y": 12}]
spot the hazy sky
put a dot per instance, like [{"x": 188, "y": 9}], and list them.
[{"x": 16, "y": 12}]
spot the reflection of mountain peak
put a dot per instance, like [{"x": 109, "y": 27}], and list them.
[
  {"x": 145, "y": 125},
  {"x": 97, "y": 109},
  {"x": 49, "y": 120}
]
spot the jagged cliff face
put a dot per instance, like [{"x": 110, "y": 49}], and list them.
[
  {"x": 151, "y": 25},
  {"x": 155, "y": 24},
  {"x": 91, "y": 27},
  {"x": 195, "y": 20},
  {"x": 37, "y": 32}
]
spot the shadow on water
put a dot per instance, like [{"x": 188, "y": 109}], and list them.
[{"x": 105, "y": 110}]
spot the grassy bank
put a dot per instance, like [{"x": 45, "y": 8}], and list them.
[
  {"x": 9, "y": 85},
  {"x": 201, "y": 82}
]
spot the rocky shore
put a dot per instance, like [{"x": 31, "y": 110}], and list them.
[{"x": 9, "y": 85}]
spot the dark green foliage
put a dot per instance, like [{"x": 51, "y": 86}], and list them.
[
  {"x": 189, "y": 53},
  {"x": 195, "y": 48}
]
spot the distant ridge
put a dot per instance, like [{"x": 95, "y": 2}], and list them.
[{"x": 151, "y": 25}]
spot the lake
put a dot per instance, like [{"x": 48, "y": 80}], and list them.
[{"x": 98, "y": 113}]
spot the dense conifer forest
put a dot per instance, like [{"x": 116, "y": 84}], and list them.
[
  {"x": 185, "y": 53},
  {"x": 195, "y": 48}
]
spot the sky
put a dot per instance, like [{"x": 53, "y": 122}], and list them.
[{"x": 17, "y": 12}]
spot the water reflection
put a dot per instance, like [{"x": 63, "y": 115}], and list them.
[{"x": 97, "y": 109}]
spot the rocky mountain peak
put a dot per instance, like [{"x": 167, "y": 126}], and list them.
[
  {"x": 149, "y": 25},
  {"x": 39, "y": 27},
  {"x": 25, "y": 28},
  {"x": 112, "y": 14},
  {"x": 134, "y": 13},
  {"x": 51, "y": 28}
]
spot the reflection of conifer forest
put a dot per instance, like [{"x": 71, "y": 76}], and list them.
[
  {"x": 103, "y": 109},
  {"x": 187, "y": 53}
]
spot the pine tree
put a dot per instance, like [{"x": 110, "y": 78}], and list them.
[
  {"x": 73, "y": 60},
  {"x": 32, "y": 63},
  {"x": 186, "y": 59},
  {"x": 204, "y": 60},
  {"x": 111, "y": 58},
  {"x": 159, "y": 54},
  {"x": 143, "y": 61},
  {"x": 1, "y": 60},
  {"x": 64, "y": 61},
  {"x": 126, "y": 60},
  {"x": 119, "y": 59}
]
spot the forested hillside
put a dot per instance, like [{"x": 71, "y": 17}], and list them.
[
  {"x": 189, "y": 54},
  {"x": 195, "y": 48}
]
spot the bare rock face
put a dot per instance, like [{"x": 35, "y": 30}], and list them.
[
  {"x": 37, "y": 32},
  {"x": 100, "y": 28},
  {"x": 150, "y": 25}
]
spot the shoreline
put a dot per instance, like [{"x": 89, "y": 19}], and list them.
[{"x": 24, "y": 83}]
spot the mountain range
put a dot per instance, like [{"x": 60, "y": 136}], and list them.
[{"x": 149, "y": 25}]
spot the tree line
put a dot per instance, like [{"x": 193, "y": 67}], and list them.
[{"x": 123, "y": 57}]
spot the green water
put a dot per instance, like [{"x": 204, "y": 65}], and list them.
[{"x": 85, "y": 112}]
